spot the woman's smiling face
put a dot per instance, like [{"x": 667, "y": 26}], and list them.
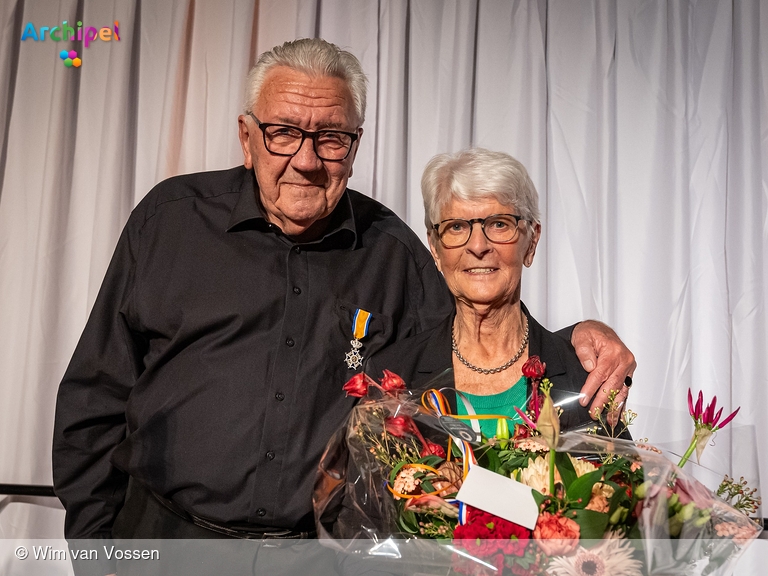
[{"x": 484, "y": 273}]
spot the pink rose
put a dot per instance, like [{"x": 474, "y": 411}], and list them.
[
  {"x": 690, "y": 490},
  {"x": 556, "y": 535}
]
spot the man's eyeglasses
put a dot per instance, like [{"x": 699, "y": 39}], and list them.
[
  {"x": 284, "y": 140},
  {"x": 498, "y": 228}
]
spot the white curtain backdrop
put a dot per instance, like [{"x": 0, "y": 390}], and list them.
[{"x": 644, "y": 125}]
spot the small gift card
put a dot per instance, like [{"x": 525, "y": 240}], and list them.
[
  {"x": 459, "y": 429},
  {"x": 498, "y": 495}
]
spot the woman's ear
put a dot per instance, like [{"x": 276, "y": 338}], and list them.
[
  {"x": 532, "y": 243},
  {"x": 431, "y": 239}
]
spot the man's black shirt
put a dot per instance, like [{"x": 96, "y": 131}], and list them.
[{"x": 211, "y": 367}]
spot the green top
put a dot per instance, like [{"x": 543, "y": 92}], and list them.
[{"x": 501, "y": 403}]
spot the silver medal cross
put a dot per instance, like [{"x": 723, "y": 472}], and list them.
[{"x": 353, "y": 357}]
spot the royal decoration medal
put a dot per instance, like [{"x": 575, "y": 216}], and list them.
[{"x": 360, "y": 322}]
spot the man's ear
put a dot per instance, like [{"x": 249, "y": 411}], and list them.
[
  {"x": 244, "y": 134},
  {"x": 533, "y": 242},
  {"x": 354, "y": 152}
]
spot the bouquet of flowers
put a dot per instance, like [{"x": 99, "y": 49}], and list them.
[{"x": 530, "y": 500}]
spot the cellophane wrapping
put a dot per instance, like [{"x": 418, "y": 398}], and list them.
[{"x": 642, "y": 515}]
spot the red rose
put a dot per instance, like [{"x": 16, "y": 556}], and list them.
[
  {"x": 399, "y": 425},
  {"x": 534, "y": 368},
  {"x": 392, "y": 381},
  {"x": 485, "y": 535},
  {"x": 470, "y": 531},
  {"x": 476, "y": 539},
  {"x": 498, "y": 561},
  {"x": 556, "y": 535},
  {"x": 513, "y": 538},
  {"x": 473, "y": 514},
  {"x": 432, "y": 449},
  {"x": 356, "y": 386}
]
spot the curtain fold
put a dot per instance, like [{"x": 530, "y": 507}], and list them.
[{"x": 642, "y": 123}]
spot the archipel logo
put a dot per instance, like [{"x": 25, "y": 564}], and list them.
[
  {"x": 68, "y": 34},
  {"x": 70, "y": 58}
]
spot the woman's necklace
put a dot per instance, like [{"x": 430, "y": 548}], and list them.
[{"x": 501, "y": 368}]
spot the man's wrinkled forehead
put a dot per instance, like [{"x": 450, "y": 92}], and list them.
[{"x": 288, "y": 93}]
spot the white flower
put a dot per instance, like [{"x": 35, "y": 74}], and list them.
[
  {"x": 536, "y": 475},
  {"x": 611, "y": 557},
  {"x": 531, "y": 445},
  {"x": 405, "y": 483}
]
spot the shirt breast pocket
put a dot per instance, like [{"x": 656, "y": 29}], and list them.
[{"x": 378, "y": 332}]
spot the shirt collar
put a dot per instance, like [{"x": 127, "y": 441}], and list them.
[{"x": 248, "y": 213}]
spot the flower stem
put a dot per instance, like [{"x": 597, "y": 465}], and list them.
[
  {"x": 552, "y": 471},
  {"x": 688, "y": 453}
]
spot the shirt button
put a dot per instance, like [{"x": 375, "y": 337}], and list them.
[
  {"x": 296, "y": 290},
  {"x": 261, "y": 512},
  {"x": 270, "y": 455},
  {"x": 280, "y": 396},
  {"x": 297, "y": 249},
  {"x": 289, "y": 342}
]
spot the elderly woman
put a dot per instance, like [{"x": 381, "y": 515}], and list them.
[{"x": 483, "y": 225}]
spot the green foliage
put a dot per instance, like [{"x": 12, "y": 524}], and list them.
[
  {"x": 491, "y": 461},
  {"x": 565, "y": 467},
  {"x": 540, "y": 498},
  {"x": 581, "y": 488},
  {"x": 408, "y": 522},
  {"x": 433, "y": 461},
  {"x": 619, "y": 498},
  {"x": 426, "y": 485},
  {"x": 591, "y": 523},
  {"x": 514, "y": 459}
]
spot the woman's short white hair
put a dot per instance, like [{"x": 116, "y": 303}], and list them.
[
  {"x": 314, "y": 57},
  {"x": 476, "y": 174}
]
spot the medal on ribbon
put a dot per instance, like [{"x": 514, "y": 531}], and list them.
[{"x": 360, "y": 323}]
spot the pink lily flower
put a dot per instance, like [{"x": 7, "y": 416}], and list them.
[
  {"x": 706, "y": 422},
  {"x": 707, "y": 416},
  {"x": 528, "y": 422}
]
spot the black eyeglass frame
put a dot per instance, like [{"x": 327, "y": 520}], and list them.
[
  {"x": 481, "y": 221},
  {"x": 304, "y": 135}
]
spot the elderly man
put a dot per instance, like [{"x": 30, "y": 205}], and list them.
[{"x": 208, "y": 378}]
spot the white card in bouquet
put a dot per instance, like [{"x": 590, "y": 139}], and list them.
[{"x": 499, "y": 495}]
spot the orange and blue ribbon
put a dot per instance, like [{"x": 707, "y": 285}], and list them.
[
  {"x": 360, "y": 323},
  {"x": 435, "y": 401}
]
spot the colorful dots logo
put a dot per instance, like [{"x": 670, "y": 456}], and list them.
[{"x": 70, "y": 58}]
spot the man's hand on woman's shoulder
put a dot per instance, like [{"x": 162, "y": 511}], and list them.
[{"x": 608, "y": 361}]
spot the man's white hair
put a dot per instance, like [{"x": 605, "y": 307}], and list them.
[{"x": 314, "y": 57}]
